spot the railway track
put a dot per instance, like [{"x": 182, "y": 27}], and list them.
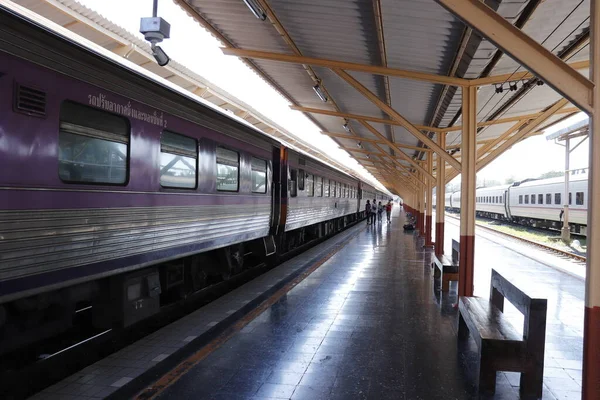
[{"x": 555, "y": 251}]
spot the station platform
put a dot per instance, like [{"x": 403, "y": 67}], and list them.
[{"x": 356, "y": 317}]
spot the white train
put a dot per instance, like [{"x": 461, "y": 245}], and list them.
[{"x": 532, "y": 202}]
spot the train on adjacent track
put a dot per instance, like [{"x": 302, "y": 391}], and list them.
[
  {"x": 533, "y": 202},
  {"x": 123, "y": 193}
]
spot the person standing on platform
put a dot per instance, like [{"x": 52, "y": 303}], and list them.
[
  {"x": 379, "y": 211},
  {"x": 388, "y": 210},
  {"x": 368, "y": 211},
  {"x": 374, "y": 211}
]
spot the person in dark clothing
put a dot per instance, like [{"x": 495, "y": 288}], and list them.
[{"x": 368, "y": 211}]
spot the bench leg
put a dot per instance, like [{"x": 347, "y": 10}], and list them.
[
  {"x": 532, "y": 384},
  {"x": 487, "y": 376},
  {"x": 463, "y": 329}
]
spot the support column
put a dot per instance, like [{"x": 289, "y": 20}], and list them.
[
  {"x": 591, "y": 330},
  {"x": 429, "y": 203},
  {"x": 467, "y": 191},
  {"x": 421, "y": 209},
  {"x": 566, "y": 229},
  {"x": 440, "y": 212}
]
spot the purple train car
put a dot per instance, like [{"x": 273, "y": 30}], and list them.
[{"x": 119, "y": 192}]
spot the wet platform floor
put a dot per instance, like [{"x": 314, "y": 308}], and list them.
[{"x": 368, "y": 324}]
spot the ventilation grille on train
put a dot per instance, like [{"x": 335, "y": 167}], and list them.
[{"x": 30, "y": 101}]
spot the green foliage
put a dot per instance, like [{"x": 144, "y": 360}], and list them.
[
  {"x": 510, "y": 179},
  {"x": 551, "y": 174}
]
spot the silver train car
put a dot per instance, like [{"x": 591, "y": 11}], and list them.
[{"x": 534, "y": 202}]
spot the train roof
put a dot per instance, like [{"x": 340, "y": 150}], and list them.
[{"x": 549, "y": 181}]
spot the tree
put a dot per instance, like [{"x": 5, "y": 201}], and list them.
[
  {"x": 551, "y": 174},
  {"x": 510, "y": 179}
]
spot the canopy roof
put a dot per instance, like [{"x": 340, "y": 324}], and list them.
[{"x": 428, "y": 53}]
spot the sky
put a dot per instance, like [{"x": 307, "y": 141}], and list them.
[{"x": 191, "y": 45}]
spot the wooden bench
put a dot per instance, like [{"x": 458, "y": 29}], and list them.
[
  {"x": 501, "y": 347},
  {"x": 447, "y": 268}
]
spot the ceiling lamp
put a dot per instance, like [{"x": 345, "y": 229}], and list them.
[
  {"x": 499, "y": 88},
  {"x": 256, "y": 9},
  {"x": 359, "y": 144},
  {"x": 319, "y": 91},
  {"x": 346, "y": 127}
]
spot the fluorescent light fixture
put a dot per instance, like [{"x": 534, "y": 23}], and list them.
[
  {"x": 256, "y": 9},
  {"x": 346, "y": 127},
  {"x": 359, "y": 144},
  {"x": 319, "y": 91}
]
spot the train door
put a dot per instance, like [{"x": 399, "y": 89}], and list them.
[
  {"x": 276, "y": 191},
  {"x": 506, "y": 205}
]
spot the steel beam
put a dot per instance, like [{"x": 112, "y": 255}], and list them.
[
  {"x": 524, "y": 50},
  {"x": 369, "y": 140},
  {"x": 521, "y": 134},
  {"x": 399, "y": 152},
  {"x": 358, "y": 116},
  {"x": 335, "y": 64},
  {"x": 517, "y": 76},
  {"x": 396, "y": 116}
]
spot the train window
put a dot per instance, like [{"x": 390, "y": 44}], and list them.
[
  {"x": 526, "y": 199},
  {"x": 259, "y": 175},
  {"x": 292, "y": 183},
  {"x": 93, "y": 145},
  {"x": 548, "y": 198},
  {"x": 326, "y": 185},
  {"x": 520, "y": 199},
  {"x": 319, "y": 186},
  {"x": 579, "y": 198},
  {"x": 310, "y": 184},
  {"x": 533, "y": 199},
  {"x": 178, "y": 157},
  {"x": 301, "y": 176},
  {"x": 332, "y": 188},
  {"x": 338, "y": 189},
  {"x": 228, "y": 167},
  {"x": 570, "y": 198},
  {"x": 557, "y": 198},
  {"x": 540, "y": 199}
]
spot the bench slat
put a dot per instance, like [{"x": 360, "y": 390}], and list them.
[{"x": 488, "y": 320}]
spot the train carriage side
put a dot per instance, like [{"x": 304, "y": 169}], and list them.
[
  {"x": 321, "y": 200},
  {"x": 490, "y": 202},
  {"x": 539, "y": 203},
  {"x": 115, "y": 188}
]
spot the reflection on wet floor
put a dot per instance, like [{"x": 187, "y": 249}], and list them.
[{"x": 368, "y": 324}]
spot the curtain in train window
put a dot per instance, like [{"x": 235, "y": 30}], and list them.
[
  {"x": 326, "y": 185},
  {"x": 178, "y": 157},
  {"x": 228, "y": 167},
  {"x": 93, "y": 145},
  {"x": 310, "y": 184},
  {"x": 319, "y": 186},
  {"x": 338, "y": 189},
  {"x": 293, "y": 182},
  {"x": 259, "y": 175}
]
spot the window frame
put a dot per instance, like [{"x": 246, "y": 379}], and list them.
[
  {"x": 549, "y": 198},
  {"x": 252, "y": 158},
  {"x": 540, "y": 198},
  {"x": 579, "y": 202},
  {"x": 520, "y": 199},
  {"x": 217, "y": 171},
  {"x": 128, "y": 144},
  {"x": 533, "y": 199},
  {"x": 293, "y": 189},
  {"x": 557, "y": 198},
  {"x": 195, "y": 158}
]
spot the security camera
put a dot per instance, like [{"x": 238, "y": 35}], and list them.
[
  {"x": 160, "y": 56},
  {"x": 155, "y": 29}
]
